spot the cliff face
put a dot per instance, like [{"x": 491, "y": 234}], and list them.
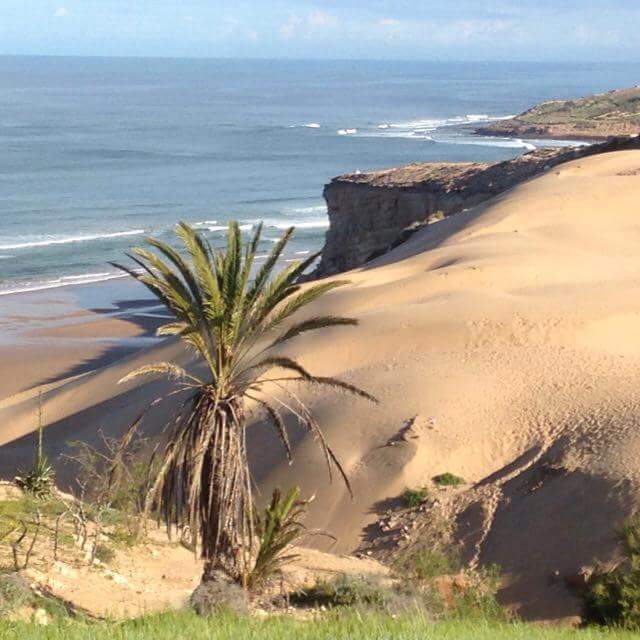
[
  {"x": 371, "y": 212},
  {"x": 598, "y": 117}
]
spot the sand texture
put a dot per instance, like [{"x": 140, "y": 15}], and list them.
[{"x": 509, "y": 333}]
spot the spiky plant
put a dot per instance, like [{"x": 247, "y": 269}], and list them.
[
  {"x": 39, "y": 480},
  {"x": 234, "y": 322},
  {"x": 280, "y": 528}
]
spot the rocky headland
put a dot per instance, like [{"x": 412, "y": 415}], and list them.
[
  {"x": 374, "y": 211},
  {"x": 596, "y": 117}
]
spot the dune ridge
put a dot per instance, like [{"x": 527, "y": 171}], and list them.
[{"x": 509, "y": 334}]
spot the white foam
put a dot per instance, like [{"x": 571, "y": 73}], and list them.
[
  {"x": 309, "y": 224},
  {"x": 283, "y": 223},
  {"x": 64, "y": 281},
  {"x": 84, "y": 276},
  {"x": 506, "y": 143},
  {"x": 204, "y": 224},
  {"x": 318, "y": 208},
  {"x": 415, "y": 128},
  {"x": 347, "y": 132},
  {"x": 559, "y": 143},
  {"x": 70, "y": 239},
  {"x": 312, "y": 125},
  {"x": 303, "y": 253}
]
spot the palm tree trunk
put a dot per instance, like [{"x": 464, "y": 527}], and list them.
[{"x": 225, "y": 502}]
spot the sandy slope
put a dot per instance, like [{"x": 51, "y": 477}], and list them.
[{"x": 513, "y": 332}]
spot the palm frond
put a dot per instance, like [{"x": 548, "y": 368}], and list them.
[
  {"x": 160, "y": 368},
  {"x": 278, "y": 423},
  {"x": 313, "y": 324},
  {"x": 204, "y": 481}
]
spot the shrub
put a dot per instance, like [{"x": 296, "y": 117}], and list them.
[
  {"x": 448, "y": 480},
  {"x": 478, "y": 597},
  {"x": 113, "y": 482},
  {"x": 414, "y": 497},
  {"x": 613, "y": 597},
  {"x": 423, "y": 564},
  {"x": 342, "y": 591},
  {"x": 14, "y": 592},
  {"x": 104, "y": 553}
]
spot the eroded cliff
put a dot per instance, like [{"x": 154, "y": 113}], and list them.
[{"x": 372, "y": 211}]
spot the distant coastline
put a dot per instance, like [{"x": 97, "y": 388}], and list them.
[{"x": 597, "y": 117}]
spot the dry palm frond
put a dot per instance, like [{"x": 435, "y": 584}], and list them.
[{"x": 231, "y": 321}]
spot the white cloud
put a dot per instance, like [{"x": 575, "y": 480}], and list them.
[
  {"x": 289, "y": 28},
  {"x": 388, "y": 22},
  {"x": 306, "y": 25},
  {"x": 61, "y": 12},
  {"x": 321, "y": 19}
]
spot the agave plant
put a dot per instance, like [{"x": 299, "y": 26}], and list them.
[
  {"x": 39, "y": 480},
  {"x": 234, "y": 320}
]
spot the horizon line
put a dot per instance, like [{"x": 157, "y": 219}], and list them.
[{"x": 315, "y": 59}]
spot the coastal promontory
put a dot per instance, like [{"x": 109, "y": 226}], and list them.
[{"x": 595, "y": 117}]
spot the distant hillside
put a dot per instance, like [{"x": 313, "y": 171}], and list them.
[{"x": 615, "y": 113}]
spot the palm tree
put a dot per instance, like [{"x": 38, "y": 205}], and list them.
[{"x": 231, "y": 321}]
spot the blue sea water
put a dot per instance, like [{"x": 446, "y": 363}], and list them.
[{"x": 96, "y": 153}]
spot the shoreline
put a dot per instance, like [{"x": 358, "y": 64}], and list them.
[{"x": 50, "y": 335}]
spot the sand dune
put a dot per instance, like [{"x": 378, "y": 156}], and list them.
[{"x": 512, "y": 333}]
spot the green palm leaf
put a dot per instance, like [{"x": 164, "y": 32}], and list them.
[{"x": 231, "y": 320}]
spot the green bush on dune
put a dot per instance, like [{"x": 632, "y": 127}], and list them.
[
  {"x": 613, "y": 597},
  {"x": 414, "y": 497},
  {"x": 448, "y": 480}
]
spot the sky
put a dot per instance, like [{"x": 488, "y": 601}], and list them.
[{"x": 551, "y": 30}]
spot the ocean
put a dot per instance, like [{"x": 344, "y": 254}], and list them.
[{"x": 97, "y": 153}]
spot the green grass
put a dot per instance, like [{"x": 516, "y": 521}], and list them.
[
  {"x": 25, "y": 508},
  {"x": 424, "y": 563},
  {"x": 414, "y": 497},
  {"x": 351, "y": 626},
  {"x": 448, "y": 480}
]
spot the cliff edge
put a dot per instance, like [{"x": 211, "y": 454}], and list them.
[{"x": 371, "y": 212}]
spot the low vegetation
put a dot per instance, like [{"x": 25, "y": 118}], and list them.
[
  {"x": 279, "y": 529},
  {"x": 39, "y": 480},
  {"x": 234, "y": 323},
  {"x": 422, "y": 564},
  {"x": 613, "y": 597},
  {"x": 414, "y": 497},
  {"x": 336, "y": 625},
  {"x": 448, "y": 480}
]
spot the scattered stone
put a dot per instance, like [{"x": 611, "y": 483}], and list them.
[
  {"x": 41, "y": 617},
  {"x": 219, "y": 592}
]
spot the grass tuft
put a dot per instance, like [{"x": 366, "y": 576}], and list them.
[
  {"x": 448, "y": 480},
  {"x": 414, "y": 497},
  {"x": 335, "y": 625}
]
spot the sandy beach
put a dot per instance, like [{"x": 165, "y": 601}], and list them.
[{"x": 509, "y": 334}]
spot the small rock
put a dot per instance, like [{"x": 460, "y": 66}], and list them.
[
  {"x": 64, "y": 569},
  {"x": 41, "y": 617},
  {"x": 217, "y": 592}
]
